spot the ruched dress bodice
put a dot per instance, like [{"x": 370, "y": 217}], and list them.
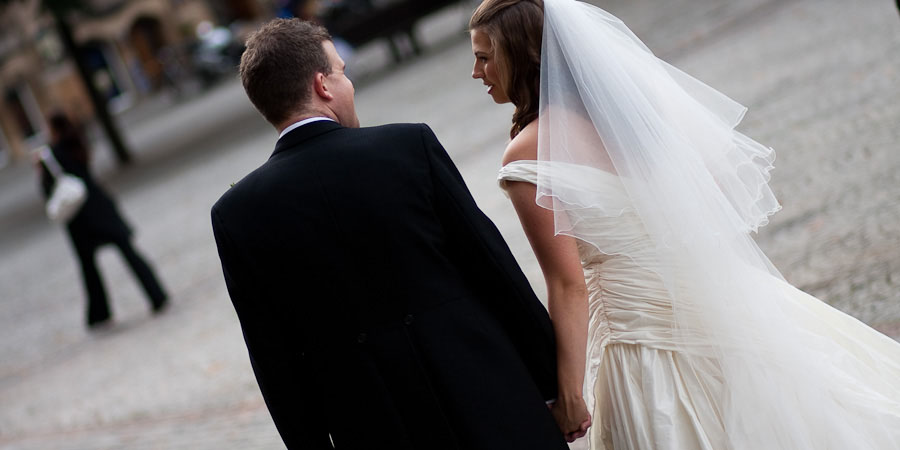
[
  {"x": 630, "y": 350},
  {"x": 628, "y": 301},
  {"x": 642, "y": 392}
]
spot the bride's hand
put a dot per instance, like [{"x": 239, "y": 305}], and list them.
[{"x": 572, "y": 417}]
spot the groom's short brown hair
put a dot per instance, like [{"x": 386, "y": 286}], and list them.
[{"x": 279, "y": 63}]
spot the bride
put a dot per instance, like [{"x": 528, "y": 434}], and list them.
[{"x": 674, "y": 331}]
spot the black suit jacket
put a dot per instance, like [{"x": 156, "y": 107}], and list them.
[{"x": 379, "y": 305}]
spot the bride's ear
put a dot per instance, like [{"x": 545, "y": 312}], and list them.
[{"x": 321, "y": 88}]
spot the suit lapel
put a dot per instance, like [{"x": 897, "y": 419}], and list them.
[{"x": 304, "y": 133}]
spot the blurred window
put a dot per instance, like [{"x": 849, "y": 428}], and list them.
[
  {"x": 4, "y": 149},
  {"x": 18, "y": 107},
  {"x": 50, "y": 48},
  {"x": 108, "y": 73}
]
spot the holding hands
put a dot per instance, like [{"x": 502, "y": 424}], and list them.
[{"x": 572, "y": 417}]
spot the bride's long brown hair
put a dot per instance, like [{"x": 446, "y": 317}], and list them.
[{"x": 515, "y": 28}]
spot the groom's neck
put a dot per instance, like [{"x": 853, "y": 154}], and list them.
[{"x": 303, "y": 116}]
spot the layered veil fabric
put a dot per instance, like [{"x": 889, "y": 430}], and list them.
[{"x": 778, "y": 369}]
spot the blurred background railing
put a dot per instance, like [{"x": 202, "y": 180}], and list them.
[{"x": 134, "y": 50}]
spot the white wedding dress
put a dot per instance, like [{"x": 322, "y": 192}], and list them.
[{"x": 645, "y": 394}]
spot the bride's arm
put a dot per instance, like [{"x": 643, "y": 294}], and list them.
[
  {"x": 567, "y": 302},
  {"x": 567, "y": 295}
]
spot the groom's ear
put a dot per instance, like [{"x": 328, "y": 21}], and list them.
[{"x": 321, "y": 88}]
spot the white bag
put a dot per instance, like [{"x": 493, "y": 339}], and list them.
[{"x": 69, "y": 192}]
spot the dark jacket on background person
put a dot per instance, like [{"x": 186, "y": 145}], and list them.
[
  {"x": 379, "y": 305},
  {"x": 98, "y": 222}
]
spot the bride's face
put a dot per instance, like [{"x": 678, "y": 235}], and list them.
[{"x": 486, "y": 66}]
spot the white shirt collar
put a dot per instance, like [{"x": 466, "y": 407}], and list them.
[{"x": 301, "y": 123}]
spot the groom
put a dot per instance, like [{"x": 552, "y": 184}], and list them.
[{"x": 381, "y": 308}]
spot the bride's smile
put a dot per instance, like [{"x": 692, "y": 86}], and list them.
[{"x": 485, "y": 67}]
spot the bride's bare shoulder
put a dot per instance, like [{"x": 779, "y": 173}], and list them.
[{"x": 523, "y": 147}]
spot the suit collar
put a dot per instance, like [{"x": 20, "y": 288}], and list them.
[{"x": 303, "y": 133}]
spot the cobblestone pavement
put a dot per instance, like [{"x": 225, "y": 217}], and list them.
[{"x": 820, "y": 78}]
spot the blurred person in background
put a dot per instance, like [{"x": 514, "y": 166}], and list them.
[
  {"x": 320, "y": 12},
  {"x": 98, "y": 222},
  {"x": 216, "y": 52}
]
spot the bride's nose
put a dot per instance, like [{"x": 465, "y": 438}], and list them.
[{"x": 476, "y": 73}]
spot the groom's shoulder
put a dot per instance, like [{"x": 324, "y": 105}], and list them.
[
  {"x": 246, "y": 190},
  {"x": 398, "y": 130},
  {"x": 232, "y": 196}
]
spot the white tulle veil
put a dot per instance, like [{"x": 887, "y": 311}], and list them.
[{"x": 700, "y": 189}]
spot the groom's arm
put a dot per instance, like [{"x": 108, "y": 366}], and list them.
[
  {"x": 481, "y": 253},
  {"x": 294, "y": 401}
]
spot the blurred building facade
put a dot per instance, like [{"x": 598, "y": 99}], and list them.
[{"x": 133, "y": 48}]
